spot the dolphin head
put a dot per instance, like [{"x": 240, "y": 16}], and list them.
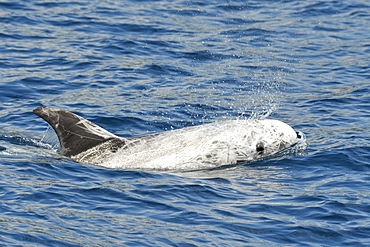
[{"x": 271, "y": 136}]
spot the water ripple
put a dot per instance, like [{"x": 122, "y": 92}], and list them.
[{"x": 144, "y": 67}]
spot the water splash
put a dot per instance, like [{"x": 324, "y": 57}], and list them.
[{"x": 49, "y": 140}]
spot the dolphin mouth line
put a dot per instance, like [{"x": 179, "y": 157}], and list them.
[{"x": 300, "y": 135}]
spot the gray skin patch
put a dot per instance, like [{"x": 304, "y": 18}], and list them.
[{"x": 76, "y": 134}]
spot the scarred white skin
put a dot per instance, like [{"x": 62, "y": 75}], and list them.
[{"x": 198, "y": 147}]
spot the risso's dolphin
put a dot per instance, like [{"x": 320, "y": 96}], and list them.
[{"x": 192, "y": 148}]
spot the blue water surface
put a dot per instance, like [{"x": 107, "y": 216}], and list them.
[{"x": 140, "y": 67}]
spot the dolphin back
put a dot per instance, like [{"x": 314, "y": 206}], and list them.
[{"x": 75, "y": 134}]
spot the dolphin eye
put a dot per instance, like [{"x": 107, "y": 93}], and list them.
[{"x": 260, "y": 147}]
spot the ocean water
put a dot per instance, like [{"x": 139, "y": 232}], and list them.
[{"x": 142, "y": 67}]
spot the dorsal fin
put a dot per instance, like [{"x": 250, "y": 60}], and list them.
[{"x": 75, "y": 133}]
